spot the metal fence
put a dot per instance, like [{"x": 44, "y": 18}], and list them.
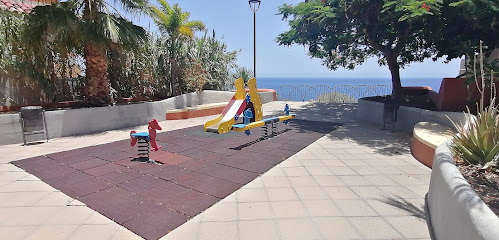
[{"x": 330, "y": 93}]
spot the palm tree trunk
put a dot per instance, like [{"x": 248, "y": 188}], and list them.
[
  {"x": 96, "y": 74},
  {"x": 96, "y": 63}
]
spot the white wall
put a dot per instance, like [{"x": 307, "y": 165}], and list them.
[
  {"x": 72, "y": 122},
  {"x": 407, "y": 117}
]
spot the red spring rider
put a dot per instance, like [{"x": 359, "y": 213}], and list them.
[{"x": 149, "y": 138}]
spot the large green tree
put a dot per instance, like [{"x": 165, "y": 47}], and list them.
[
  {"x": 344, "y": 33},
  {"x": 462, "y": 24},
  {"x": 174, "y": 22},
  {"x": 88, "y": 25}
]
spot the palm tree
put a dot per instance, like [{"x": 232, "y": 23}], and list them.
[
  {"x": 176, "y": 24},
  {"x": 87, "y": 25}
]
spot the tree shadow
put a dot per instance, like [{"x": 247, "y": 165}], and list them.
[
  {"x": 383, "y": 142},
  {"x": 405, "y": 205}
]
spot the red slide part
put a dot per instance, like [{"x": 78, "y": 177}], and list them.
[
  {"x": 231, "y": 102},
  {"x": 242, "y": 107}
]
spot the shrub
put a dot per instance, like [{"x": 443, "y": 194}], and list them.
[{"x": 336, "y": 97}]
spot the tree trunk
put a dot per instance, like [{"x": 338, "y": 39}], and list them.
[
  {"x": 96, "y": 74},
  {"x": 395, "y": 72},
  {"x": 96, "y": 78}
]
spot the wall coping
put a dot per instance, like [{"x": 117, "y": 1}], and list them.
[{"x": 432, "y": 134}]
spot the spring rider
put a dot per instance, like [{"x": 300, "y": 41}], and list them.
[{"x": 144, "y": 139}]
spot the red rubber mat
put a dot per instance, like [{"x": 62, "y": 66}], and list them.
[{"x": 198, "y": 169}]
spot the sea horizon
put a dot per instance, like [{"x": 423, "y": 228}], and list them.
[{"x": 310, "y": 88}]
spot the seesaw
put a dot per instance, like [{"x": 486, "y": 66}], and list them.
[
  {"x": 249, "y": 107},
  {"x": 263, "y": 123}
]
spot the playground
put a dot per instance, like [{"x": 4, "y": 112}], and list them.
[{"x": 352, "y": 177}]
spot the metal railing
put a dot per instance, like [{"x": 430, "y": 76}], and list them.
[{"x": 330, "y": 93}]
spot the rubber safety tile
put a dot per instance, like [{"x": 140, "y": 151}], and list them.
[{"x": 197, "y": 170}]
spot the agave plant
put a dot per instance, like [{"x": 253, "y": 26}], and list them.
[{"x": 478, "y": 141}]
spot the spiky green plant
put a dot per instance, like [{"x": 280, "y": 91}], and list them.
[{"x": 478, "y": 141}]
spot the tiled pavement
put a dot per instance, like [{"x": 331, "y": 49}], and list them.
[{"x": 357, "y": 182}]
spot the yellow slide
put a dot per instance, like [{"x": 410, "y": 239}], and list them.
[{"x": 223, "y": 123}]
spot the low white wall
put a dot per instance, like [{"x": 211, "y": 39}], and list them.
[
  {"x": 370, "y": 111},
  {"x": 407, "y": 117},
  {"x": 453, "y": 209},
  {"x": 71, "y": 122}
]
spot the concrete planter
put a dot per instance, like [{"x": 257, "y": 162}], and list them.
[
  {"x": 453, "y": 209},
  {"x": 407, "y": 117},
  {"x": 72, "y": 122}
]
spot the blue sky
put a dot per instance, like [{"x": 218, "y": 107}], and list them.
[{"x": 233, "y": 20}]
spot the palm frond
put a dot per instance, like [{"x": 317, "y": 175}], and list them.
[
  {"x": 186, "y": 31},
  {"x": 165, "y": 6},
  {"x": 195, "y": 25},
  {"x": 119, "y": 30},
  {"x": 133, "y": 6}
]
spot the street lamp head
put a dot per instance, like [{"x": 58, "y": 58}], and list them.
[{"x": 254, "y": 5}]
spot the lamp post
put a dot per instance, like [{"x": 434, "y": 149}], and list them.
[{"x": 254, "y": 6}]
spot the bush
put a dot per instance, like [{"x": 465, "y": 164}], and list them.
[{"x": 336, "y": 97}]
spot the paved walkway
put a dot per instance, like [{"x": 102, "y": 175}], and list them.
[{"x": 357, "y": 182}]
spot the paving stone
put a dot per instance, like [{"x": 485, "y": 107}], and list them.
[
  {"x": 17, "y": 232},
  {"x": 288, "y": 209},
  {"x": 85, "y": 232},
  {"x": 213, "y": 230},
  {"x": 409, "y": 226},
  {"x": 352, "y": 207},
  {"x": 297, "y": 228},
  {"x": 281, "y": 194},
  {"x": 322, "y": 208},
  {"x": 336, "y": 228},
  {"x": 252, "y": 195},
  {"x": 254, "y": 211},
  {"x": 374, "y": 228}
]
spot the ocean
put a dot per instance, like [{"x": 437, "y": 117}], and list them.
[{"x": 305, "y": 89}]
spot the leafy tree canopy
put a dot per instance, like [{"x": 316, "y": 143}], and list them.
[{"x": 344, "y": 33}]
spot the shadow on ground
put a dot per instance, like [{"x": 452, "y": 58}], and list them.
[
  {"x": 405, "y": 205},
  {"x": 381, "y": 141}
]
